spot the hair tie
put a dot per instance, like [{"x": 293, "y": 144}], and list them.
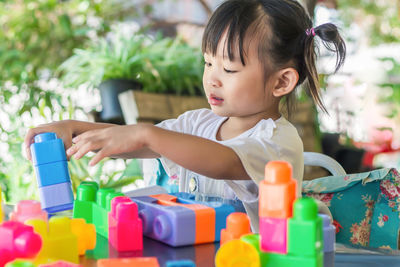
[{"x": 310, "y": 31}]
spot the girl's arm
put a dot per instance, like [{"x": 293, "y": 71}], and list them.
[{"x": 197, "y": 154}]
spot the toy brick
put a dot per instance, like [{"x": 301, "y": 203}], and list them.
[
  {"x": 128, "y": 262},
  {"x": 18, "y": 240},
  {"x": 52, "y": 173},
  {"x": 60, "y": 264},
  {"x": 58, "y": 197},
  {"x": 85, "y": 233},
  {"x": 237, "y": 224},
  {"x": 28, "y": 209},
  {"x": 280, "y": 260},
  {"x": 47, "y": 148},
  {"x": 329, "y": 236},
  {"x": 273, "y": 235},
  {"x": 305, "y": 229},
  {"x": 125, "y": 226},
  {"x": 20, "y": 263},
  {"x": 237, "y": 253},
  {"x": 40, "y": 227},
  {"x": 180, "y": 263},
  {"x": 110, "y": 197},
  {"x": 252, "y": 239},
  {"x": 85, "y": 199},
  {"x": 173, "y": 225}
]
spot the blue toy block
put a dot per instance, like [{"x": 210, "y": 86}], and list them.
[
  {"x": 51, "y": 168},
  {"x": 47, "y": 148},
  {"x": 221, "y": 210},
  {"x": 180, "y": 263},
  {"x": 52, "y": 173},
  {"x": 173, "y": 225},
  {"x": 56, "y": 197}
]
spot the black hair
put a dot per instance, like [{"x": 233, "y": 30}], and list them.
[{"x": 285, "y": 38}]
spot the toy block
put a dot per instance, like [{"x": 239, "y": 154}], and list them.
[
  {"x": 85, "y": 233},
  {"x": 18, "y": 240},
  {"x": 221, "y": 210},
  {"x": 305, "y": 229},
  {"x": 128, "y": 262},
  {"x": 59, "y": 243},
  {"x": 180, "y": 263},
  {"x": 281, "y": 260},
  {"x": 85, "y": 199},
  {"x": 237, "y": 224},
  {"x": 101, "y": 210},
  {"x": 40, "y": 227},
  {"x": 51, "y": 169},
  {"x": 273, "y": 232},
  {"x": 329, "y": 236},
  {"x": 237, "y": 253},
  {"x": 252, "y": 239},
  {"x": 125, "y": 226},
  {"x": 28, "y": 209},
  {"x": 60, "y": 264},
  {"x": 20, "y": 263},
  {"x": 277, "y": 191}
]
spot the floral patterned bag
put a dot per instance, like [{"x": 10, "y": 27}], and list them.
[{"x": 365, "y": 206}]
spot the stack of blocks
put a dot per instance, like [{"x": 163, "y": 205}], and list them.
[
  {"x": 51, "y": 168},
  {"x": 178, "y": 221},
  {"x": 285, "y": 239}
]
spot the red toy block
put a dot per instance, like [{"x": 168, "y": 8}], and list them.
[
  {"x": 125, "y": 226},
  {"x": 128, "y": 262},
  {"x": 18, "y": 240}
]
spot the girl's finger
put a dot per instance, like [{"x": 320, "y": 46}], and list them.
[
  {"x": 99, "y": 156},
  {"x": 84, "y": 149}
]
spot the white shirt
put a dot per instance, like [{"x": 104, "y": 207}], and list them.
[{"x": 267, "y": 140}]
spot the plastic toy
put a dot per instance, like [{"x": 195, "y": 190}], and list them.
[
  {"x": 128, "y": 262},
  {"x": 180, "y": 263},
  {"x": 85, "y": 198},
  {"x": 20, "y": 263},
  {"x": 59, "y": 243},
  {"x": 86, "y": 234},
  {"x": 329, "y": 235},
  {"x": 18, "y": 241},
  {"x": 277, "y": 193},
  {"x": 28, "y": 209},
  {"x": 177, "y": 221},
  {"x": 237, "y": 224},
  {"x": 1, "y": 208},
  {"x": 237, "y": 253},
  {"x": 60, "y": 264},
  {"x": 50, "y": 164},
  {"x": 125, "y": 226}
]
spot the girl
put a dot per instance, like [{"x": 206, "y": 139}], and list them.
[{"x": 256, "y": 53}]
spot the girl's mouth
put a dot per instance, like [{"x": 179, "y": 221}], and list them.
[{"x": 215, "y": 101}]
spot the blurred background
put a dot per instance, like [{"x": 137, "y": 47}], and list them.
[{"x": 124, "y": 61}]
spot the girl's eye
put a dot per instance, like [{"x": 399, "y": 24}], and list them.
[
  {"x": 207, "y": 64},
  {"x": 230, "y": 71}
]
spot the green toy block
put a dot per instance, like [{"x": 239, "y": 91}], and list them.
[
  {"x": 305, "y": 229},
  {"x": 101, "y": 209},
  {"x": 282, "y": 260},
  {"x": 20, "y": 263},
  {"x": 252, "y": 239},
  {"x": 85, "y": 199}
]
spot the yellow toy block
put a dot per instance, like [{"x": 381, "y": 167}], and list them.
[
  {"x": 59, "y": 243},
  {"x": 86, "y": 234}
]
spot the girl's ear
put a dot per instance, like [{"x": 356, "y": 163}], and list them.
[{"x": 285, "y": 81}]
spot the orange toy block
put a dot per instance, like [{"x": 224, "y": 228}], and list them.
[
  {"x": 237, "y": 224},
  {"x": 128, "y": 262},
  {"x": 277, "y": 191},
  {"x": 86, "y": 234}
]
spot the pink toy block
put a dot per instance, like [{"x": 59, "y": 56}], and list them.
[
  {"x": 273, "y": 232},
  {"x": 28, "y": 209},
  {"x": 18, "y": 240},
  {"x": 125, "y": 226},
  {"x": 60, "y": 264}
]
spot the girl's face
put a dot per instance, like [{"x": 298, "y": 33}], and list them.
[{"x": 234, "y": 90}]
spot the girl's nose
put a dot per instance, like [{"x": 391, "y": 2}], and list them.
[{"x": 214, "y": 82}]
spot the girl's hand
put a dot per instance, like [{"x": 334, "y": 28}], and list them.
[
  {"x": 63, "y": 130},
  {"x": 108, "y": 142}
]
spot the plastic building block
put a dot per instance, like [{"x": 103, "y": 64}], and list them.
[
  {"x": 125, "y": 226},
  {"x": 277, "y": 191},
  {"x": 59, "y": 243},
  {"x": 20, "y": 263},
  {"x": 281, "y": 260},
  {"x": 85, "y": 198},
  {"x": 60, "y": 264},
  {"x": 28, "y": 209},
  {"x": 51, "y": 168},
  {"x": 180, "y": 263},
  {"x": 86, "y": 234},
  {"x": 252, "y": 239},
  {"x": 237, "y": 253},
  {"x": 329, "y": 236},
  {"x": 273, "y": 232},
  {"x": 237, "y": 224},
  {"x": 128, "y": 262},
  {"x": 18, "y": 240}
]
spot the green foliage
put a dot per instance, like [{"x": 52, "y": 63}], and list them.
[
  {"x": 163, "y": 65},
  {"x": 393, "y": 86}
]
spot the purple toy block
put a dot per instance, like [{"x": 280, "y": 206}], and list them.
[
  {"x": 273, "y": 235},
  {"x": 56, "y": 197},
  {"x": 173, "y": 225},
  {"x": 329, "y": 235}
]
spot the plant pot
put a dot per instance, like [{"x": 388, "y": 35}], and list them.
[{"x": 109, "y": 91}]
